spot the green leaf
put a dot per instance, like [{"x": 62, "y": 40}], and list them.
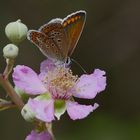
[{"x": 60, "y": 108}]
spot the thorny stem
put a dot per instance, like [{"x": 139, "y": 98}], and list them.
[{"x": 11, "y": 92}]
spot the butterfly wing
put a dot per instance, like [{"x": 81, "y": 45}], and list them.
[
  {"x": 55, "y": 31},
  {"x": 73, "y": 25},
  {"x": 58, "y": 38},
  {"x": 46, "y": 45},
  {"x": 51, "y": 25}
]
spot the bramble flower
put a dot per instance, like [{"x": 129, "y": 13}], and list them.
[
  {"x": 39, "y": 136},
  {"x": 55, "y": 88}
]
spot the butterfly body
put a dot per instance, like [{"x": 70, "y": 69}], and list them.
[{"x": 58, "y": 38}]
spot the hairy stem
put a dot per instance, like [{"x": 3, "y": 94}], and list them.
[{"x": 11, "y": 92}]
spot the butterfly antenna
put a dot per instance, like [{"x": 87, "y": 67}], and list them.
[{"x": 78, "y": 65}]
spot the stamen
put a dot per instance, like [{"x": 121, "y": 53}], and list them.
[{"x": 61, "y": 80}]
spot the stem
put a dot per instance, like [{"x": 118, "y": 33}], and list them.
[
  {"x": 9, "y": 67},
  {"x": 49, "y": 128},
  {"x": 41, "y": 126},
  {"x": 11, "y": 92},
  {"x": 6, "y": 104}
]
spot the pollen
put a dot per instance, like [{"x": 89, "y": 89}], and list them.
[
  {"x": 61, "y": 81},
  {"x": 64, "y": 79}
]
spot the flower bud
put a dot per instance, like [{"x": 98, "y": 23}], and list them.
[
  {"x": 10, "y": 51},
  {"x": 27, "y": 113},
  {"x": 16, "y": 31}
]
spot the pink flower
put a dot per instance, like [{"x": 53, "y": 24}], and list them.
[
  {"x": 56, "y": 86},
  {"x": 39, "y": 136}
]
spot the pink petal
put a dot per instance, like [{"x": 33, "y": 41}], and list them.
[
  {"x": 39, "y": 136},
  {"x": 44, "y": 109},
  {"x": 77, "y": 111},
  {"x": 47, "y": 65},
  {"x": 42, "y": 76},
  {"x": 27, "y": 80},
  {"x": 101, "y": 79},
  {"x": 89, "y": 85}
]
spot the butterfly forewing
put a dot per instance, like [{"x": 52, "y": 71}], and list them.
[
  {"x": 45, "y": 44},
  {"x": 56, "y": 32},
  {"x": 73, "y": 25},
  {"x": 54, "y": 23}
]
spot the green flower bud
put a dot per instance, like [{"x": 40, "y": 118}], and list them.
[
  {"x": 16, "y": 31},
  {"x": 10, "y": 51},
  {"x": 28, "y": 114}
]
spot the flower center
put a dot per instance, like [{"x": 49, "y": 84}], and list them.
[{"x": 61, "y": 82}]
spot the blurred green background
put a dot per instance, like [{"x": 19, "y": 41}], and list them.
[{"x": 110, "y": 41}]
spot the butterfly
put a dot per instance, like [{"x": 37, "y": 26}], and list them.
[{"x": 58, "y": 38}]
